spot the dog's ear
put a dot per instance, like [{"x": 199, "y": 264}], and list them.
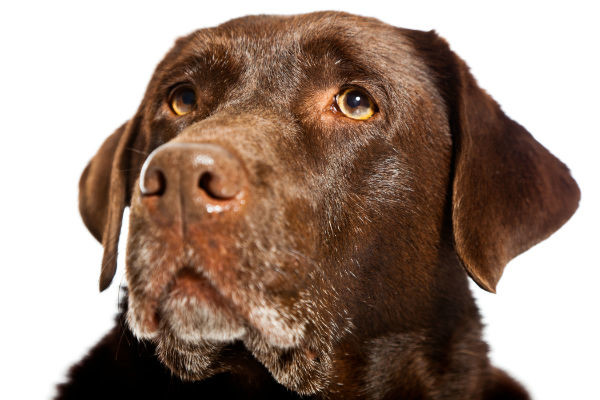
[
  {"x": 508, "y": 191},
  {"x": 103, "y": 194}
]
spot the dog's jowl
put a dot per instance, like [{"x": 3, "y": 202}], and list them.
[{"x": 309, "y": 196}]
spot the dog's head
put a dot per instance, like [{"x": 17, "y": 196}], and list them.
[{"x": 298, "y": 181}]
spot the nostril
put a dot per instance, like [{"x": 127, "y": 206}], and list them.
[
  {"x": 153, "y": 183},
  {"x": 215, "y": 187}
]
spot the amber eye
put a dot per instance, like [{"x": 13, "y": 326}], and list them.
[
  {"x": 356, "y": 104},
  {"x": 183, "y": 100}
]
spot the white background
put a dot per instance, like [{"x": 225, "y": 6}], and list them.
[{"x": 70, "y": 73}]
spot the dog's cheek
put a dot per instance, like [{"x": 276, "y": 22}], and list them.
[
  {"x": 149, "y": 263},
  {"x": 141, "y": 311}
]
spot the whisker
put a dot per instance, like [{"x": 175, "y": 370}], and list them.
[
  {"x": 299, "y": 255},
  {"x": 144, "y": 153}
]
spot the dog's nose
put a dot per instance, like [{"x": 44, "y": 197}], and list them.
[{"x": 201, "y": 177}]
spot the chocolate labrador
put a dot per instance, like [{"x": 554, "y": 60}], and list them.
[{"x": 308, "y": 196}]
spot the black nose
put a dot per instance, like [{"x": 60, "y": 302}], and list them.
[{"x": 200, "y": 176}]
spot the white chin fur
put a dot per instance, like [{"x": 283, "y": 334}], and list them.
[{"x": 193, "y": 321}]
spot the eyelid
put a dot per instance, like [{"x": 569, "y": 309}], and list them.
[{"x": 179, "y": 86}]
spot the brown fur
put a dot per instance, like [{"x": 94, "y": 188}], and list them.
[{"x": 343, "y": 273}]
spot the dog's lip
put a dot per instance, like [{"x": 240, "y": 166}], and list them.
[{"x": 188, "y": 283}]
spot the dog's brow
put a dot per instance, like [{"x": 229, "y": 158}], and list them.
[
  {"x": 344, "y": 55},
  {"x": 196, "y": 65}
]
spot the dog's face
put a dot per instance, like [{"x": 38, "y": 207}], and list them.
[{"x": 296, "y": 181}]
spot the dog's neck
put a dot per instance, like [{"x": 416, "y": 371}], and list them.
[{"x": 435, "y": 348}]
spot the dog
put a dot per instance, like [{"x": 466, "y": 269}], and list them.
[{"x": 309, "y": 196}]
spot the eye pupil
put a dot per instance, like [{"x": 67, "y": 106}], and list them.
[
  {"x": 354, "y": 99},
  {"x": 188, "y": 97}
]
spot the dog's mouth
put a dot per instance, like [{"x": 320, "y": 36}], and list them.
[
  {"x": 200, "y": 299},
  {"x": 189, "y": 284},
  {"x": 193, "y": 309}
]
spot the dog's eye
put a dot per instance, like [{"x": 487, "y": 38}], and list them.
[
  {"x": 183, "y": 100},
  {"x": 356, "y": 104}
]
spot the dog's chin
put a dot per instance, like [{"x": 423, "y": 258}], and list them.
[{"x": 196, "y": 342}]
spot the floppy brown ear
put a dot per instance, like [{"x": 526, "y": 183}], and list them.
[
  {"x": 103, "y": 195},
  {"x": 509, "y": 192}
]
